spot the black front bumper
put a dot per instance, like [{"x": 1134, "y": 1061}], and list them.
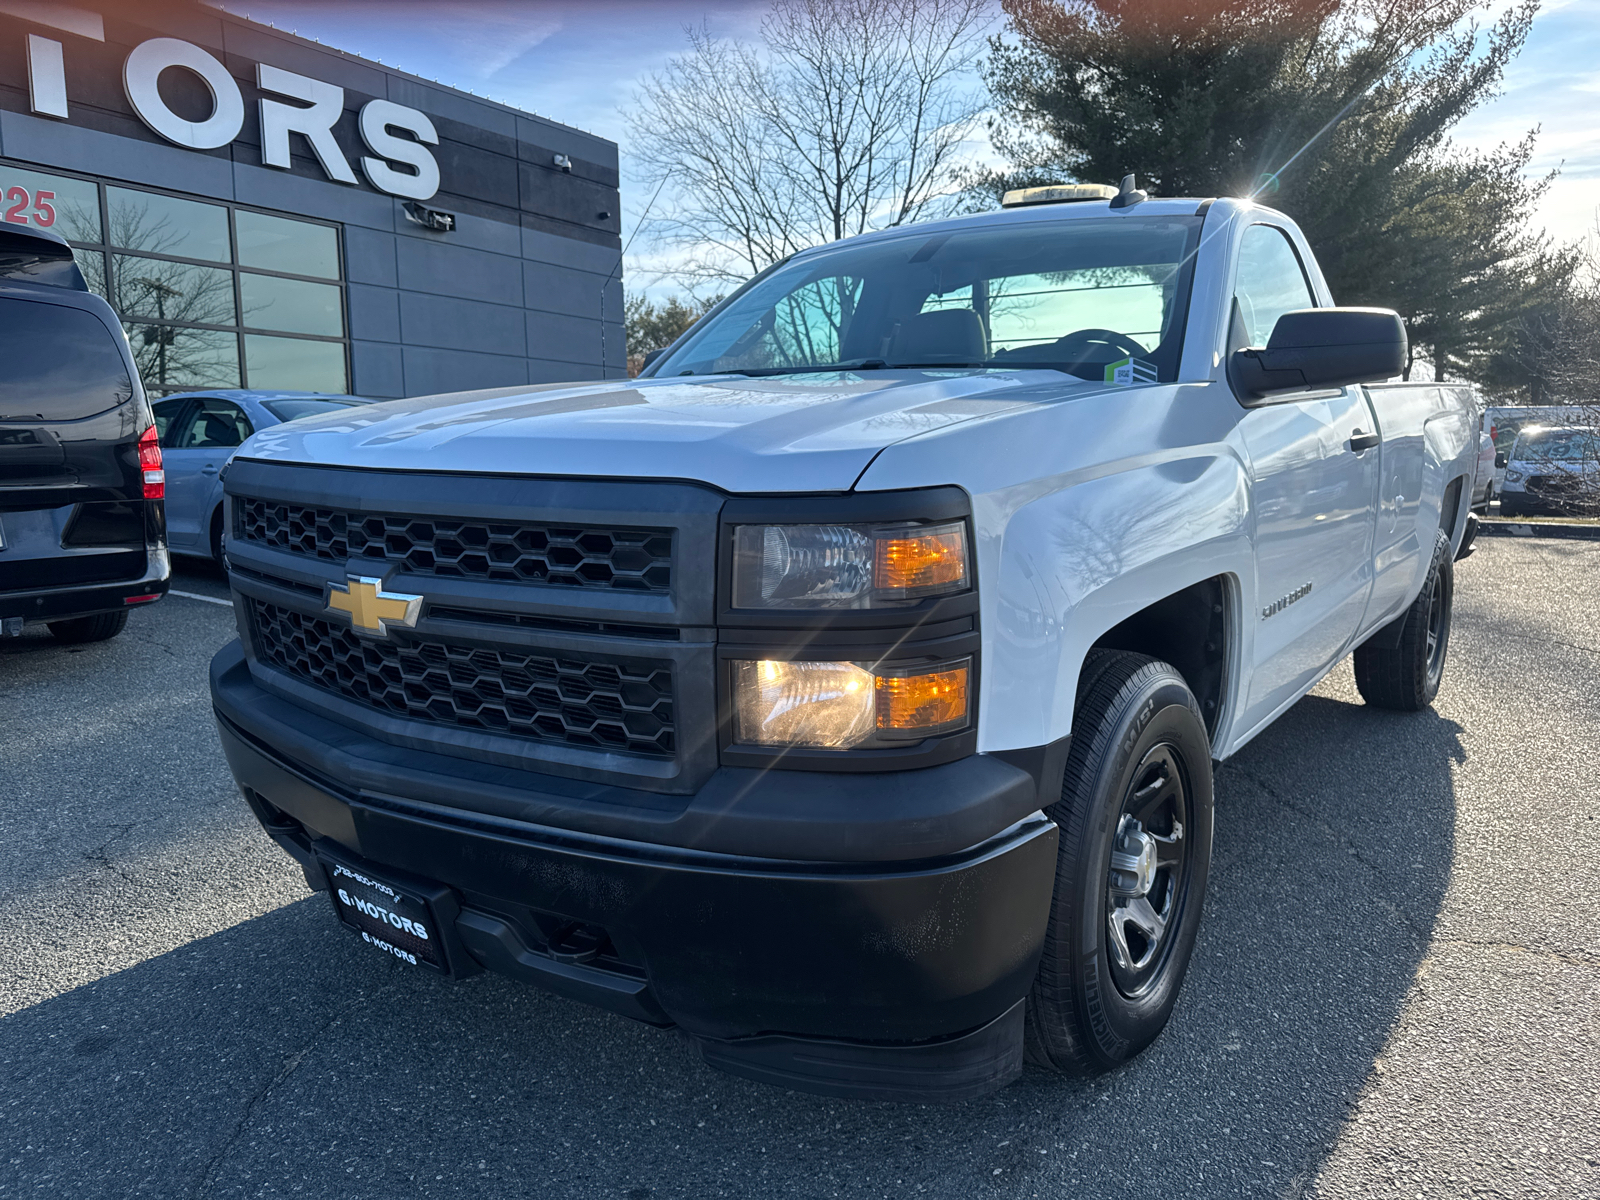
[{"x": 896, "y": 974}]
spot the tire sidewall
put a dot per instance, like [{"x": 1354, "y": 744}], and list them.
[
  {"x": 1441, "y": 575},
  {"x": 1119, "y": 1026}
]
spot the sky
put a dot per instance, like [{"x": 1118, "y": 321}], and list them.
[{"x": 579, "y": 62}]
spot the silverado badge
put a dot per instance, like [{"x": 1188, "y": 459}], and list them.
[{"x": 371, "y": 609}]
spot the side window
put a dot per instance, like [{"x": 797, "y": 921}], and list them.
[
  {"x": 167, "y": 412},
  {"x": 1271, "y": 282},
  {"x": 808, "y": 326},
  {"x": 217, "y": 424}
]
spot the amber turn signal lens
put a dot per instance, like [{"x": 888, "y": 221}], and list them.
[
  {"x": 928, "y": 702},
  {"x": 921, "y": 561}
]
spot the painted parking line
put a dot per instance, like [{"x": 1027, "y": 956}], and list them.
[{"x": 198, "y": 596}]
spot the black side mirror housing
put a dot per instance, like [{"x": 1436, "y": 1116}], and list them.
[
  {"x": 1501, "y": 458},
  {"x": 1315, "y": 348},
  {"x": 652, "y": 356}
]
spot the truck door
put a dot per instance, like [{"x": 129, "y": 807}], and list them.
[{"x": 1314, "y": 494}]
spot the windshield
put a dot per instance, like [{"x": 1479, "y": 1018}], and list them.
[
  {"x": 293, "y": 410},
  {"x": 1084, "y": 296},
  {"x": 1560, "y": 445}
]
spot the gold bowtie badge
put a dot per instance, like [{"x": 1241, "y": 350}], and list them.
[{"x": 371, "y": 609}]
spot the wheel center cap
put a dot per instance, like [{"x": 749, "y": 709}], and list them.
[{"x": 1133, "y": 860}]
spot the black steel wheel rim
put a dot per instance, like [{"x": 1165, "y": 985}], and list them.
[
  {"x": 1147, "y": 876},
  {"x": 1438, "y": 635}
]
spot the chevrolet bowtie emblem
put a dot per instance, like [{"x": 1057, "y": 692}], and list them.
[{"x": 371, "y": 609}]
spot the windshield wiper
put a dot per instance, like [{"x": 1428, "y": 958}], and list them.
[{"x": 854, "y": 364}]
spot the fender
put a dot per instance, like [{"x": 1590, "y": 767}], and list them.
[{"x": 1095, "y": 535}]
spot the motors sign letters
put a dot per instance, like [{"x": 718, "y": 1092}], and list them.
[{"x": 397, "y": 165}]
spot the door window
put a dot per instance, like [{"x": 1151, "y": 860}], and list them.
[
  {"x": 214, "y": 424},
  {"x": 1270, "y": 283},
  {"x": 168, "y": 413}
]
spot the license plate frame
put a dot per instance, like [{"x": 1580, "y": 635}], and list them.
[{"x": 408, "y": 920}]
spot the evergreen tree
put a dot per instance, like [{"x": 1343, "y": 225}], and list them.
[
  {"x": 1336, "y": 111},
  {"x": 652, "y": 326}
]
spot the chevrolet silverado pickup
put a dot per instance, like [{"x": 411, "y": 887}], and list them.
[{"x": 844, "y": 691}]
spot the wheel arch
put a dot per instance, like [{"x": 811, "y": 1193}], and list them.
[{"x": 1194, "y": 630}]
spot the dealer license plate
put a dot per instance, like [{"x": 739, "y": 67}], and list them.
[{"x": 388, "y": 917}]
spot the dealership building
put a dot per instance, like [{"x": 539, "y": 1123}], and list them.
[{"x": 263, "y": 211}]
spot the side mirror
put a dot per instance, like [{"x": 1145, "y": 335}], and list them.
[
  {"x": 1321, "y": 348},
  {"x": 652, "y": 356},
  {"x": 1501, "y": 458}
]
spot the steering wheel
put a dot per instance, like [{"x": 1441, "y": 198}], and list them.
[{"x": 1074, "y": 346}]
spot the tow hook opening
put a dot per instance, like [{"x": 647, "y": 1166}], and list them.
[{"x": 578, "y": 943}]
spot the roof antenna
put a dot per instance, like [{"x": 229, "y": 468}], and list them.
[{"x": 1129, "y": 194}]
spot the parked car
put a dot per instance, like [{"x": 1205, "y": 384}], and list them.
[
  {"x": 1505, "y": 421},
  {"x": 1553, "y": 471},
  {"x": 845, "y": 689},
  {"x": 81, "y": 485},
  {"x": 199, "y": 432}
]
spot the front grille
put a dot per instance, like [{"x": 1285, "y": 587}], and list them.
[
  {"x": 566, "y": 699},
  {"x": 638, "y": 560}
]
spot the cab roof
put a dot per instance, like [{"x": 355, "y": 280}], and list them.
[{"x": 1078, "y": 210}]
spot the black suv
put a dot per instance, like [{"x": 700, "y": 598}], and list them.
[{"x": 82, "y": 531}]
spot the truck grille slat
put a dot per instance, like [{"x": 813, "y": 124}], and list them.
[
  {"x": 637, "y": 560},
  {"x": 568, "y": 699}
]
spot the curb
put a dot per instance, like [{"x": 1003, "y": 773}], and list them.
[{"x": 1588, "y": 533}]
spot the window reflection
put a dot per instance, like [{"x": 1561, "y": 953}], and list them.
[
  {"x": 290, "y": 305},
  {"x": 171, "y": 358},
  {"x": 294, "y": 365},
  {"x": 293, "y": 247},
  {"x": 93, "y": 265},
  {"x": 171, "y": 291},
  {"x": 167, "y": 225},
  {"x": 128, "y": 244},
  {"x": 69, "y": 206}
]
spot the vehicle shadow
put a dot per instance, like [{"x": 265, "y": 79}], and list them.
[{"x": 283, "y": 1056}]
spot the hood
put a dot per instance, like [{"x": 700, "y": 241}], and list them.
[{"x": 788, "y": 433}]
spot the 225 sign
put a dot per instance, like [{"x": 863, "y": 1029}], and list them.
[{"x": 18, "y": 201}]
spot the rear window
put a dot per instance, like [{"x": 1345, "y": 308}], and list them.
[
  {"x": 57, "y": 363},
  {"x": 293, "y": 410}
]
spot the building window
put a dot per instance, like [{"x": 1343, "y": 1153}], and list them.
[{"x": 211, "y": 295}]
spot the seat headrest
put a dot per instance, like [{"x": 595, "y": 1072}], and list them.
[{"x": 944, "y": 335}]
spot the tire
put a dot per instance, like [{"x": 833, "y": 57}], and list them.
[
  {"x": 1468, "y": 536},
  {"x": 97, "y": 628},
  {"x": 1100, "y": 998},
  {"x": 1406, "y": 678}
]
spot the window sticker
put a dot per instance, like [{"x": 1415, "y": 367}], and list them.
[{"x": 1126, "y": 372}]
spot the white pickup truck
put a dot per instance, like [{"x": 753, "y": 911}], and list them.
[{"x": 845, "y": 692}]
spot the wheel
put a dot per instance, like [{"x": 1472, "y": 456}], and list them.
[
  {"x": 1406, "y": 678},
  {"x": 1135, "y": 849},
  {"x": 89, "y": 629},
  {"x": 1469, "y": 536},
  {"x": 216, "y": 537}
]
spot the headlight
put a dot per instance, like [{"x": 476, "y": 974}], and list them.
[
  {"x": 839, "y": 705},
  {"x": 1513, "y": 476},
  {"x": 846, "y": 566}
]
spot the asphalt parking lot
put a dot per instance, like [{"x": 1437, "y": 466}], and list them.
[{"x": 1396, "y": 990}]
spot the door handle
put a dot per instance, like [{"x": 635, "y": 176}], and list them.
[
  {"x": 208, "y": 469},
  {"x": 1360, "y": 440}
]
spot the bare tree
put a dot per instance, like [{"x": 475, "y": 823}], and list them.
[
  {"x": 169, "y": 354},
  {"x": 848, "y": 117}
]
